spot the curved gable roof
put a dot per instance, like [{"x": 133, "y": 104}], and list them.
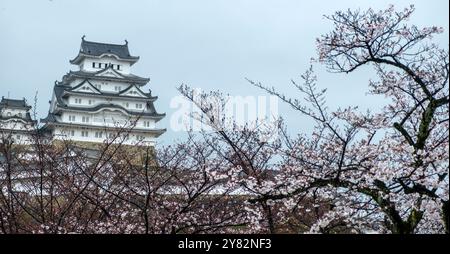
[
  {"x": 97, "y": 49},
  {"x": 129, "y": 78},
  {"x": 13, "y": 103},
  {"x": 103, "y": 106}
]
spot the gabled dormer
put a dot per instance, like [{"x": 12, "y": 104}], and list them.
[
  {"x": 86, "y": 87},
  {"x": 133, "y": 91},
  {"x": 109, "y": 72}
]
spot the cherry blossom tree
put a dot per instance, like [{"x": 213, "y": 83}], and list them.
[
  {"x": 252, "y": 153},
  {"x": 386, "y": 170},
  {"x": 65, "y": 187}
]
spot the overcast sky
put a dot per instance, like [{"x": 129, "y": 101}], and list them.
[{"x": 209, "y": 44}]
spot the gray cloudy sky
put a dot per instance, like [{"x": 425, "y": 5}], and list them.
[{"x": 211, "y": 44}]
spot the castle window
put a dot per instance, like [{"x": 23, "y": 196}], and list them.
[
  {"x": 72, "y": 118},
  {"x": 117, "y": 88},
  {"x": 84, "y": 133},
  {"x": 91, "y": 102},
  {"x": 72, "y": 133},
  {"x": 85, "y": 119},
  {"x": 147, "y": 124},
  {"x": 93, "y": 65},
  {"x": 98, "y": 134},
  {"x": 138, "y": 106},
  {"x": 77, "y": 100},
  {"x": 118, "y": 67}
]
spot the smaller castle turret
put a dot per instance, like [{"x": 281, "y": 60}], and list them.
[{"x": 15, "y": 121}]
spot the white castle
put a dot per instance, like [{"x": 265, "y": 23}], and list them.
[
  {"x": 15, "y": 121},
  {"x": 103, "y": 100}
]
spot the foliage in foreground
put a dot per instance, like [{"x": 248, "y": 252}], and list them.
[{"x": 359, "y": 172}]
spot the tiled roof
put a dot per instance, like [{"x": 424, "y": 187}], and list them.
[
  {"x": 130, "y": 78},
  {"x": 62, "y": 90},
  {"x": 90, "y": 48},
  {"x": 152, "y": 114},
  {"x": 14, "y": 103}
]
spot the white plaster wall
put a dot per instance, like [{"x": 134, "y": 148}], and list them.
[
  {"x": 86, "y": 64},
  {"x": 12, "y": 124},
  {"x": 13, "y": 112},
  {"x": 107, "y": 119},
  {"x": 104, "y": 86},
  {"x": 16, "y": 137},
  {"x": 9, "y": 130},
  {"x": 65, "y": 134},
  {"x": 126, "y": 103}
]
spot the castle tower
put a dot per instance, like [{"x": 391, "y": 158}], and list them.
[
  {"x": 103, "y": 99},
  {"x": 15, "y": 121}
]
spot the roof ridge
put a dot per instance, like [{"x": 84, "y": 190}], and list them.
[
  {"x": 21, "y": 103},
  {"x": 126, "y": 77},
  {"x": 104, "y": 43},
  {"x": 98, "y": 49},
  {"x": 111, "y": 105}
]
